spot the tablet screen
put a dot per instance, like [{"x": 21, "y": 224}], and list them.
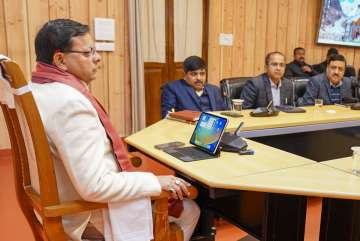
[{"x": 208, "y": 132}]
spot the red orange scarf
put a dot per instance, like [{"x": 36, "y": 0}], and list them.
[{"x": 46, "y": 73}]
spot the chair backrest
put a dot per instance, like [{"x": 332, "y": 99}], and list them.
[
  {"x": 299, "y": 88},
  {"x": 350, "y": 71},
  {"x": 231, "y": 88},
  {"x": 29, "y": 142},
  {"x": 355, "y": 86}
]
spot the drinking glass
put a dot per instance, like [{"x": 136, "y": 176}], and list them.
[
  {"x": 355, "y": 169},
  {"x": 237, "y": 105},
  {"x": 318, "y": 104}
]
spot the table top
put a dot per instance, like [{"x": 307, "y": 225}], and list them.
[
  {"x": 315, "y": 179},
  {"x": 269, "y": 170},
  {"x": 329, "y": 117},
  {"x": 210, "y": 171}
]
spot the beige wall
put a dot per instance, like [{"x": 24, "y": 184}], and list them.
[
  {"x": 21, "y": 19},
  {"x": 262, "y": 26}
]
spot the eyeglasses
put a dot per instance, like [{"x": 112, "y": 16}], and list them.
[
  {"x": 195, "y": 73},
  {"x": 274, "y": 65},
  {"x": 90, "y": 53}
]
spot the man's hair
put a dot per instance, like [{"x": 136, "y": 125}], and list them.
[
  {"x": 336, "y": 57},
  {"x": 193, "y": 63},
  {"x": 298, "y": 48},
  {"x": 332, "y": 51},
  {"x": 268, "y": 56},
  {"x": 55, "y": 36}
]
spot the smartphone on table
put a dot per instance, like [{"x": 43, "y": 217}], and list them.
[{"x": 167, "y": 145}]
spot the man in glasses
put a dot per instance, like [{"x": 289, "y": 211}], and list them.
[
  {"x": 91, "y": 161},
  {"x": 192, "y": 92},
  {"x": 332, "y": 87},
  {"x": 269, "y": 86}
]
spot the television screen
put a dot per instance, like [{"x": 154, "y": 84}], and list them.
[{"x": 340, "y": 22}]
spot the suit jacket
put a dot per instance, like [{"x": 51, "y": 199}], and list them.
[
  {"x": 84, "y": 162},
  {"x": 181, "y": 96},
  {"x": 294, "y": 69},
  {"x": 318, "y": 87},
  {"x": 257, "y": 92}
]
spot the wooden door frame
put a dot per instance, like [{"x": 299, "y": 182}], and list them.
[{"x": 168, "y": 69}]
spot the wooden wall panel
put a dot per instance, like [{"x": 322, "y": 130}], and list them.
[
  {"x": 21, "y": 19},
  {"x": 263, "y": 26},
  {"x": 215, "y": 60}
]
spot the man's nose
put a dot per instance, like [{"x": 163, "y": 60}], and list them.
[{"x": 97, "y": 57}]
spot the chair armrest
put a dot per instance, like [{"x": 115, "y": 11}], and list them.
[
  {"x": 165, "y": 194},
  {"x": 81, "y": 206}
]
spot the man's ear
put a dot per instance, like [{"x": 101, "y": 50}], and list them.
[{"x": 59, "y": 61}]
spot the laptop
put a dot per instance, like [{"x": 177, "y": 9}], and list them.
[{"x": 205, "y": 139}]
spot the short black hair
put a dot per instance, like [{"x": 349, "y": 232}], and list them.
[
  {"x": 268, "y": 56},
  {"x": 193, "y": 63},
  {"x": 298, "y": 48},
  {"x": 56, "y": 35},
  {"x": 332, "y": 51},
  {"x": 335, "y": 57}
]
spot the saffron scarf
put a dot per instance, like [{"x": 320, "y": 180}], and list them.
[{"x": 46, "y": 73}]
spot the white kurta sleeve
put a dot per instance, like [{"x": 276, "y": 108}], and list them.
[{"x": 81, "y": 143}]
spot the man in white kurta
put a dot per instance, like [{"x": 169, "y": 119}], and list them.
[{"x": 85, "y": 164}]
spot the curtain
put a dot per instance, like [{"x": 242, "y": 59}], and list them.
[
  {"x": 136, "y": 67},
  {"x": 152, "y": 17},
  {"x": 188, "y": 28}
]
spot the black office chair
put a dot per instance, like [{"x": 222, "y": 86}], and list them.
[
  {"x": 299, "y": 87},
  {"x": 355, "y": 85},
  {"x": 231, "y": 88},
  {"x": 350, "y": 71}
]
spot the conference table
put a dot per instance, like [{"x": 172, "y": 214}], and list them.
[{"x": 265, "y": 194}]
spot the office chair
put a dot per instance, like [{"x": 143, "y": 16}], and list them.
[
  {"x": 299, "y": 88},
  {"x": 231, "y": 88},
  {"x": 29, "y": 142}
]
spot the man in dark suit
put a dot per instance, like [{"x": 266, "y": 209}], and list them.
[
  {"x": 321, "y": 67},
  {"x": 192, "y": 92},
  {"x": 269, "y": 86},
  {"x": 330, "y": 86},
  {"x": 298, "y": 67}
]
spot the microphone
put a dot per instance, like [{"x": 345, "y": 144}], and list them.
[
  {"x": 237, "y": 131},
  {"x": 269, "y": 106},
  {"x": 349, "y": 100},
  {"x": 293, "y": 92}
]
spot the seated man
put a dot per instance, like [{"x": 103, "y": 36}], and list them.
[
  {"x": 298, "y": 67},
  {"x": 90, "y": 159},
  {"x": 331, "y": 86},
  {"x": 269, "y": 86},
  {"x": 321, "y": 67},
  {"x": 192, "y": 92}
]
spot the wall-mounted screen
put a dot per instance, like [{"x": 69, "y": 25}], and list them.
[{"x": 340, "y": 22}]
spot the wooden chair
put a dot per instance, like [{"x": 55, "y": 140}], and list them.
[{"x": 46, "y": 202}]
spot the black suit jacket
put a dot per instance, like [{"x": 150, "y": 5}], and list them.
[
  {"x": 181, "y": 96},
  {"x": 294, "y": 69},
  {"x": 257, "y": 92}
]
